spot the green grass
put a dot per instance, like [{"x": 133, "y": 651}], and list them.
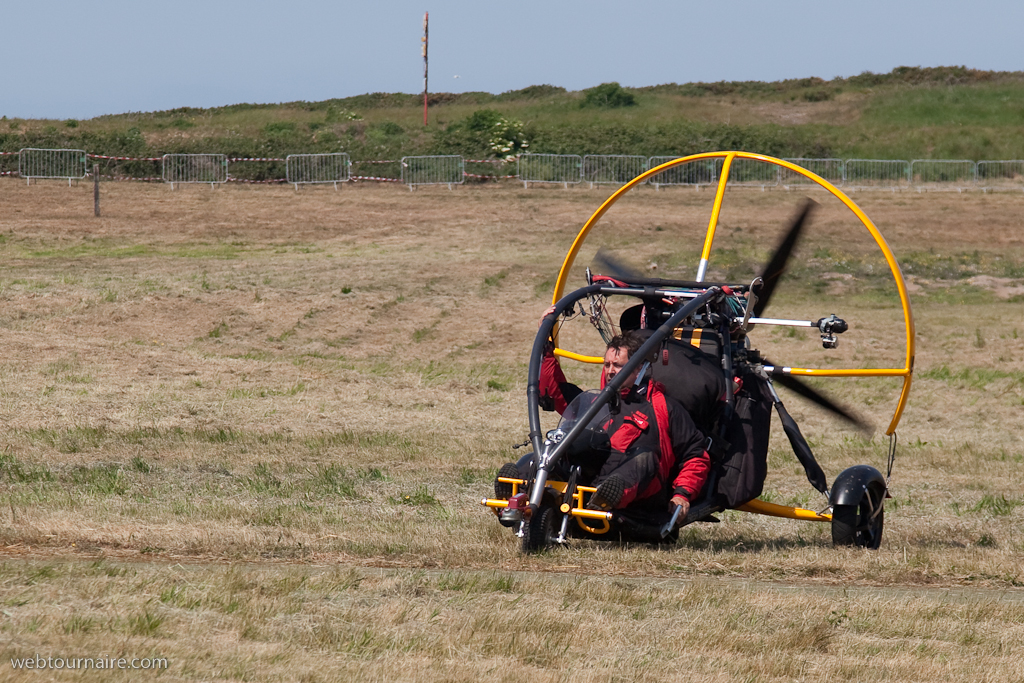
[
  {"x": 945, "y": 112},
  {"x": 989, "y": 105},
  {"x": 107, "y": 249},
  {"x": 996, "y": 505},
  {"x": 973, "y": 378}
]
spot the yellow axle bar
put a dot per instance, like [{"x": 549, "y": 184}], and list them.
[
  {"x": 760, "y": 507},
  {"x": 575, "y": 512}
]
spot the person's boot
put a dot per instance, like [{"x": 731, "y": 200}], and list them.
[{"x": 608, "y": 494}]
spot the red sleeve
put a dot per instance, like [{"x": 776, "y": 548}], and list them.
[
  {"x": 551, "y": 377},
  {"x": 691, "y": 458},
  {"x": 692, "y": 476}
]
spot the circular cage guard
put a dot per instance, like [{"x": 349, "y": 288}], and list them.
[{"x": 906, "y": 372}]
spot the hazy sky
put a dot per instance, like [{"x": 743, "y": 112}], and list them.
[{"x": 65, "y": 59}]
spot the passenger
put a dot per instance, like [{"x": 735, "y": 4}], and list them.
[{"x": 657, "y": 455}]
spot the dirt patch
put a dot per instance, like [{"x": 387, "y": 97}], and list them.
[{"x": 1002, "y": 287}]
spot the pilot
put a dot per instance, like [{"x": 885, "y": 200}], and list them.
[{"x": 657, "y": 455}]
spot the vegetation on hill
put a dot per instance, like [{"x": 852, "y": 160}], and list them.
[{"x": 945, "y": 112}]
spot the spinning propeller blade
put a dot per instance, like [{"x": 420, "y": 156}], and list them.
[
  {"x": 776, "y": 266},
  {"x": 814, "y": 396},
  {"x": 606, "y": 263}
]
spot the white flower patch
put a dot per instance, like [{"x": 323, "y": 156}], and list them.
[{"x": 507, "y": 140}]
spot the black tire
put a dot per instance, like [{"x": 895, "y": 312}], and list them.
[
  {"x": 503, "y": 491},
  {"x": 853, "y": 524},
  {"x": 539, "y": 531}
]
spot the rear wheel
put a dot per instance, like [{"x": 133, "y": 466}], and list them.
[
  {"x": 539, "y": 531},
  {"x": 858, "y": 525}
]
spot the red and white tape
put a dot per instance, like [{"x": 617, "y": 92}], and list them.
[
  {"x": 367, "y": 177},
  {"x": 495, "y": 177},
  {"x": 124, "y": 178},
  {"x": 276, "y": 159},
  {"x": 102, "y": 156},
  {"x": 234, "y": 159}
]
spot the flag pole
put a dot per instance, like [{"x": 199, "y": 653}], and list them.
[{"x": 426, "y": 15}]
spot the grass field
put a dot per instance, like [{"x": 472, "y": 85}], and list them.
[
  {"x": 909, "y": 113},
  {"x": 248, "y": 430}
]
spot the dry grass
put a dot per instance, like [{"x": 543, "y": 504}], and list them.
[
  {"x": 308, "y": 623},
  {"x": 305, "y": 385}
]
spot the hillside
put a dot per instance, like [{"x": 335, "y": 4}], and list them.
[{"x": 948, "y": 112}]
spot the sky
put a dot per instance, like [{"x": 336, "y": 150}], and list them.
[{"x": 72, "y": 59}]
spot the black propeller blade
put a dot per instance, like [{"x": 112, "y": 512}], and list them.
[
  {"x": 776, "y": 266},
  {"x": 795, "y": 385},
  {"x": 606, "y": 263}
]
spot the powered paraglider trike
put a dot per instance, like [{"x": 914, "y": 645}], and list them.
[{"x": 698, "y": 346}]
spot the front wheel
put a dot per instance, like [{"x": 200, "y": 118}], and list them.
[
  {"x": 539, "y": 530},
  {"x": 858, "y": 524}
]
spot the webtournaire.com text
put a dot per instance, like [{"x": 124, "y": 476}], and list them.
[{"x": 100, "y": 663}]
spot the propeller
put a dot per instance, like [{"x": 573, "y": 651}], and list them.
[
  {"x": 776, "y": 266},
  {"x": 608, "y": 264},
  {"x": 771, "y": 275}
]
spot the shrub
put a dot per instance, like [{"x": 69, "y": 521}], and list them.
[
  {"x": 279, "y": 127},
  {"x": 388, "y": 128},
  {"x": 608, "y": 96},
  {"x": 507, "y": 140},
  {"x": 533, "y": 92},
  {"x": 484, "y": 132},
  {"x": 482, "y": 120}
]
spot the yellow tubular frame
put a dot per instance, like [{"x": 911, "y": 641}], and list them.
[
  {"x": 581, "y": 514},
  {"x": 761, "y": 507},
  {"x": 906, "y": 372}
]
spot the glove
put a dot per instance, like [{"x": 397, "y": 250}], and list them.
[{"x": 679, "y": 501}]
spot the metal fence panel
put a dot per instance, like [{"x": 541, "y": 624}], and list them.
[
  {"x": 52, "y": 163},
  {"x": 550, "y": 168},
  {"x": 536, "y": 168},
  {"x": 1001, "y": 175},
  {"x": 433, "y": 170},
  {"x": 195, "y": 168},
  {"x": 943, "y": 174},
  {"x": 612, "y": 169},
  {"x": 832, "y": 170},
  {"x": 754, "y": 173},
  {"x": 317, "y": 168},
  {"x": 877, "y": 173},
  {"x": 692, "y": 173}
]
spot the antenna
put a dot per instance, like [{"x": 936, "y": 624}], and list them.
[{"x": 426, "y": 33}]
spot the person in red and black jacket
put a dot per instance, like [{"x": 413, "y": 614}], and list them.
[{"x": 657, "y": 455}]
